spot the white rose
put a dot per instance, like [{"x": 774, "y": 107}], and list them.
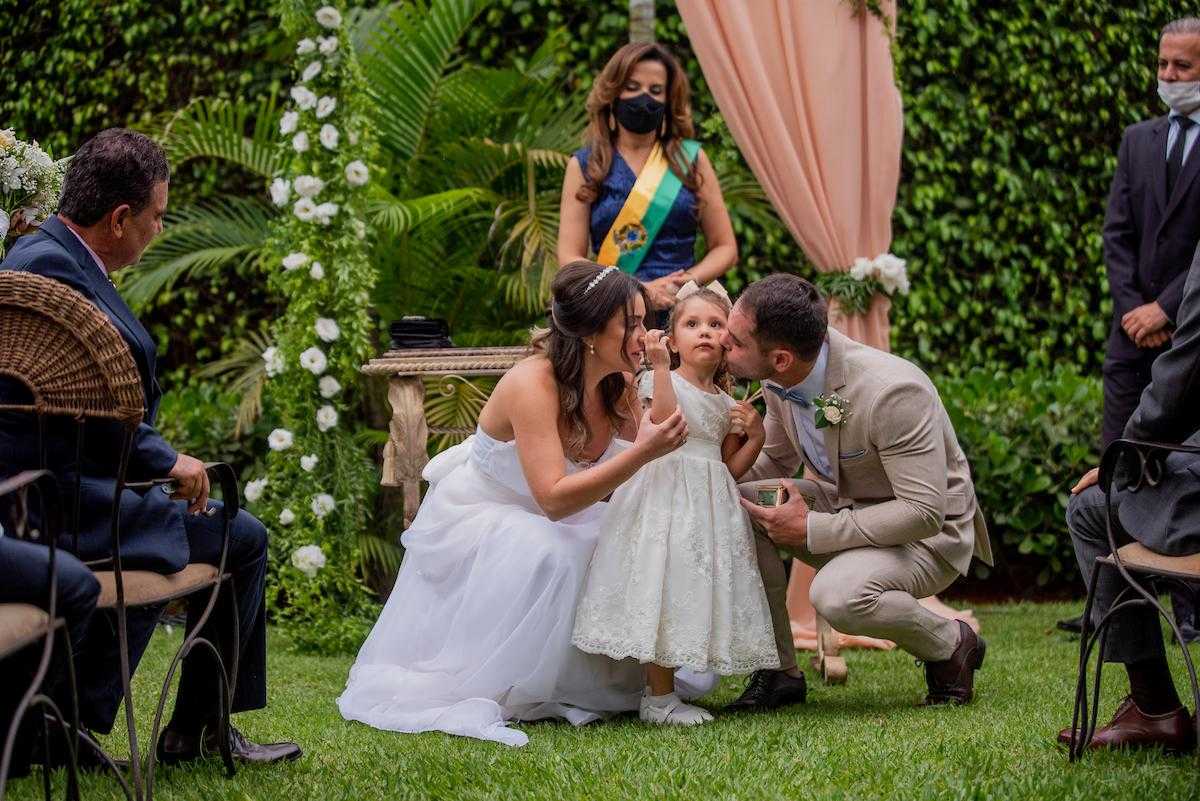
[
  {"x": 300, "y": 142},
  {"x": 310, "y": 558},
  {"x": 329, "y": 136},
  {"x": 274, "y": 360},
  {"x": 860, "y": 270},
  {"x": 327, "y": 44},
  {"x": 326, "y": 212},
  {"x": 287, "y": 517},
  {"x": 281, "y": 191},
  {"x": 833, "y": 415},
  {"x": 327, "y": 417},
  {"x": 294, "y": 261},
  {"x": 356, "y": 173},
  {"x": 325, "y": 107},
  {"x": 309, "y": 185},
  {"x": 314, "y": 361},
  {"x": 327, "y": 329},
  {"x": 280, "y": 439},
  {"x": 288, "y": 122},
  {"x": 8, "y": 138},
  {"x": 329, "y": 17},
  {"x": 311, "y": 71},
  {"x": 305, "y": 210},
  {"x": 317, "y": 271},
  {"x": 305, "y": 46},
  {"x": 307, "y": 463},
  {"x": 329, "y": 387},
  {"x": 254, "y": 489},
  {"x": 304, "y": 97},
  {"x": 322, "y": 505}
]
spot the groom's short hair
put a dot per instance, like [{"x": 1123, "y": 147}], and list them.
[
  {"x": 788, "y": 312},
  {"x": 113, "y": 168}
]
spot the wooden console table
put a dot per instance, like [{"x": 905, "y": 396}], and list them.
[{"x": 405, "y": 456}]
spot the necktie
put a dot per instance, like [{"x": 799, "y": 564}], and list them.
[
  {"x": 794, "y": 395},
  {"x": 1175, "y": 159}
]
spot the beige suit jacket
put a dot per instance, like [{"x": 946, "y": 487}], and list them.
[{"x": 900, "y": 473}]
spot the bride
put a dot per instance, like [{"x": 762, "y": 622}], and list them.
[{"x": 477, "y": 631}]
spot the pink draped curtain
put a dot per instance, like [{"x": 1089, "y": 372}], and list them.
[{"x": 808, "y": 92}]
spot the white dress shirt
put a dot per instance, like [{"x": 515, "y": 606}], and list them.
[
  {"x": 1173, "y": 134},
  {"x": 92, "y": 253}
]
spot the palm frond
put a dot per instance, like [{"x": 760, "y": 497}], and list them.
[
  {"x": 529, "y": 228},
  {"x": 745, "y": 198},
  {"x": 243, "y": 371},
  {"x": 199, "y": 239},
  {"x": 397, "y": 216},
  {"x": 240, "y": 132},
  {"x": 379, "y": 553}
]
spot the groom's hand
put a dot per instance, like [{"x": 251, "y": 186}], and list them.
[{"x": 786, "y": 525}]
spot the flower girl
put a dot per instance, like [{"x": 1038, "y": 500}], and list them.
[{"x": 674, "y": 580}]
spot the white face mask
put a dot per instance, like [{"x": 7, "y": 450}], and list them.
[{"x": 1182, "y": 97}]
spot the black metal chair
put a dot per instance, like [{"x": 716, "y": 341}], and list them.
[{"x": 1127, "y": 560}]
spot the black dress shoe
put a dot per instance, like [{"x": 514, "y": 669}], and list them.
[
  {"x": 952, "y": 681},
  {"x": 770, "y": 689},
  {"x": 1073, "y": 625},
  {"x": 174, "y": 748}
]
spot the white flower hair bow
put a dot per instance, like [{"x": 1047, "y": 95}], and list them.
[{"x": 691, "y": 288}]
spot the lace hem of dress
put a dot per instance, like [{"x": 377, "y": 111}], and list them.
[{"x": 673, "y": 658}]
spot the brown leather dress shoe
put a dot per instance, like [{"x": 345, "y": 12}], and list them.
[
  {"x": 174, "y": 748},
  {"x": 952, "y": 681},
  {"x": 1174, "y": 732},
  {"x": 770, "y": 689}
]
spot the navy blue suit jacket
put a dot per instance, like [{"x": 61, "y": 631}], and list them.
[{"x": 152, "y": 528}]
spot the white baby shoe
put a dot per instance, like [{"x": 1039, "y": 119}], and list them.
[{"x": 670, "y": 710}]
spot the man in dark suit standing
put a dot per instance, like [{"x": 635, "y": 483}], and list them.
[{"x": 112, "y": 206}]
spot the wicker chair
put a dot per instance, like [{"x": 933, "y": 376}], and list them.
[
  {"x": 1128, "y": 560},
  {"x": 75, "y": 365}
]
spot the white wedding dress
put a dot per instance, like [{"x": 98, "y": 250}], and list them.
[{"x": 477, "y": 631}]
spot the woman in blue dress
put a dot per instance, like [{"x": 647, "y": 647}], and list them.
[{"x": 637, "y": 193}]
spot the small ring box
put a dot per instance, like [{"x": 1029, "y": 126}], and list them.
[{"x": 772, "y": 496}]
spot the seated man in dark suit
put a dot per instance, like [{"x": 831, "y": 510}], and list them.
[
  {"x": 1166, "y": 519},
  {"x": 113, "y": 201}
]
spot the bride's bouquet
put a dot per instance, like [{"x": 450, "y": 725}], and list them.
[{"x": 30, "y": 183}]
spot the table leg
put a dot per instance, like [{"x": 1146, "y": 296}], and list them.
[
  {"x": 831, "y": 666},
  {"x": 405, "y": 455}
]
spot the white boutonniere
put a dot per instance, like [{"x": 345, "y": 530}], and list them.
[{"x": 832, "y": 410}]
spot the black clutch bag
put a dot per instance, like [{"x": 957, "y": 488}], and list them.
[{"x": 410, "y": 333}]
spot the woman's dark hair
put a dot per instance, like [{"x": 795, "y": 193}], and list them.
[
  {"x": 721, "y": 377},
  {"x": 788, "y": 312},
  {"x": 113, "y": 168},
  {"x": 577, "y": 312}
]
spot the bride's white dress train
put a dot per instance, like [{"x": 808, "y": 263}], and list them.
[{"x": 477, "y": 631}]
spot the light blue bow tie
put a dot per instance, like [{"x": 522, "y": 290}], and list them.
[{"x": 794, "y": 395}]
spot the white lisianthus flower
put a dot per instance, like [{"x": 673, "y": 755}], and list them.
[
  {"x": 314, "y": 361},
  {"x": 300, "y": 142},
  {"x": 311, "y": 71},
  {"x": 327, "y": 417},
  {"x": 325, "y": 107},
  {"x": 356, "y": 173},
  {"x": 322, "y": 505},
  {"x": 274, "y": 361},
  {"x": 305, "y": 46},
  {"x": 305, "y": 98},
  {"x": 288, "y": 122},
  {"x": 892, "y": 273},
  {"x": 360, "y": 229},
  {"x": 254, "y": 489},
  {"x": 326, "y": 212},
  {"x": 317, "y": 271},
  {"x": 329, "y": 387},
  {"x": 281, "y": 191},
  {"x": 305, "y": 210},
  {"x": 309, "y": 558},
  {"x": 280, "y": 439},
  {"x": 329, "y": 136},
  {"x": 327, "y": 329},
  {"x": 859, "y": 271},
  {"x": 308, "y": 185},
  {"x": 329, "y": 17},
  {"x": 327, "y": 44},
  {"x": 294, "y": 261},
  {"x": 307, "y": 463},
  {"x": 287, "y": 517}
]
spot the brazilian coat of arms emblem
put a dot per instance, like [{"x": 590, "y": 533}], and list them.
[{"x": 629, "y": 237}]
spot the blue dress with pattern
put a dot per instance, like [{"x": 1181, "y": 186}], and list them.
[{"x": 675, "y": 246}]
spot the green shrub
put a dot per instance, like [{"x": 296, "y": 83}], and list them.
[{"x": 1029, "y": 435}]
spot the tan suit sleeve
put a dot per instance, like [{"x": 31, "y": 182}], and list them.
[
  {"x": 904, "y": 425},
  {"x": 778, "y": 458}
]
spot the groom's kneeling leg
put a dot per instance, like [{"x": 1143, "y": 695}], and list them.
[{"x": 874, "y": 592}]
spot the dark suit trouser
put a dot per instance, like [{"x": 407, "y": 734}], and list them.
[{"x": 197, "y": 696}]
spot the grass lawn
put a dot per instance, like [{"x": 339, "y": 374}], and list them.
[{"x": 865, "y": 740}]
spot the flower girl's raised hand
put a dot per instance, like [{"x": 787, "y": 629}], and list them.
[
  {"x": 747, "y": 422},
  {"x": 656, "y": 350},
  {"x": 659, "y": 439}
]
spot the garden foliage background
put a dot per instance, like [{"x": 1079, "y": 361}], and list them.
[{"x": 1013, "y": 113}]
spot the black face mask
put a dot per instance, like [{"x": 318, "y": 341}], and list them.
[{"x": 641, "y": 114}]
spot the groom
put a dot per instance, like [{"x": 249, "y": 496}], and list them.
[{"x": 895, "y": 518}]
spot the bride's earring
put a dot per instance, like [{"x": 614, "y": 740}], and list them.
[{"x": 592, "y": 348}]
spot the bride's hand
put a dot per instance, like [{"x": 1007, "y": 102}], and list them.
[{"x": 659, "y": 439}]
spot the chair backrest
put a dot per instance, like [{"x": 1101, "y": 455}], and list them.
[{"x": 65, "y": 351}]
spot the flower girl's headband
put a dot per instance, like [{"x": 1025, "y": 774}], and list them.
[{"x": 691, "y": 288}]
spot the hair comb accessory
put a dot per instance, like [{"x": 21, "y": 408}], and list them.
[
  {"x": 691, "y": 288},
  {"x": 603, "y": 274}
]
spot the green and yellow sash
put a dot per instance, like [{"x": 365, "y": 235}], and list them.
[{"x": 645, "y": 210}]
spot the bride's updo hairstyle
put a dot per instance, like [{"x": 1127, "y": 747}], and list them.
[{"x": 581, "y": 306}]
